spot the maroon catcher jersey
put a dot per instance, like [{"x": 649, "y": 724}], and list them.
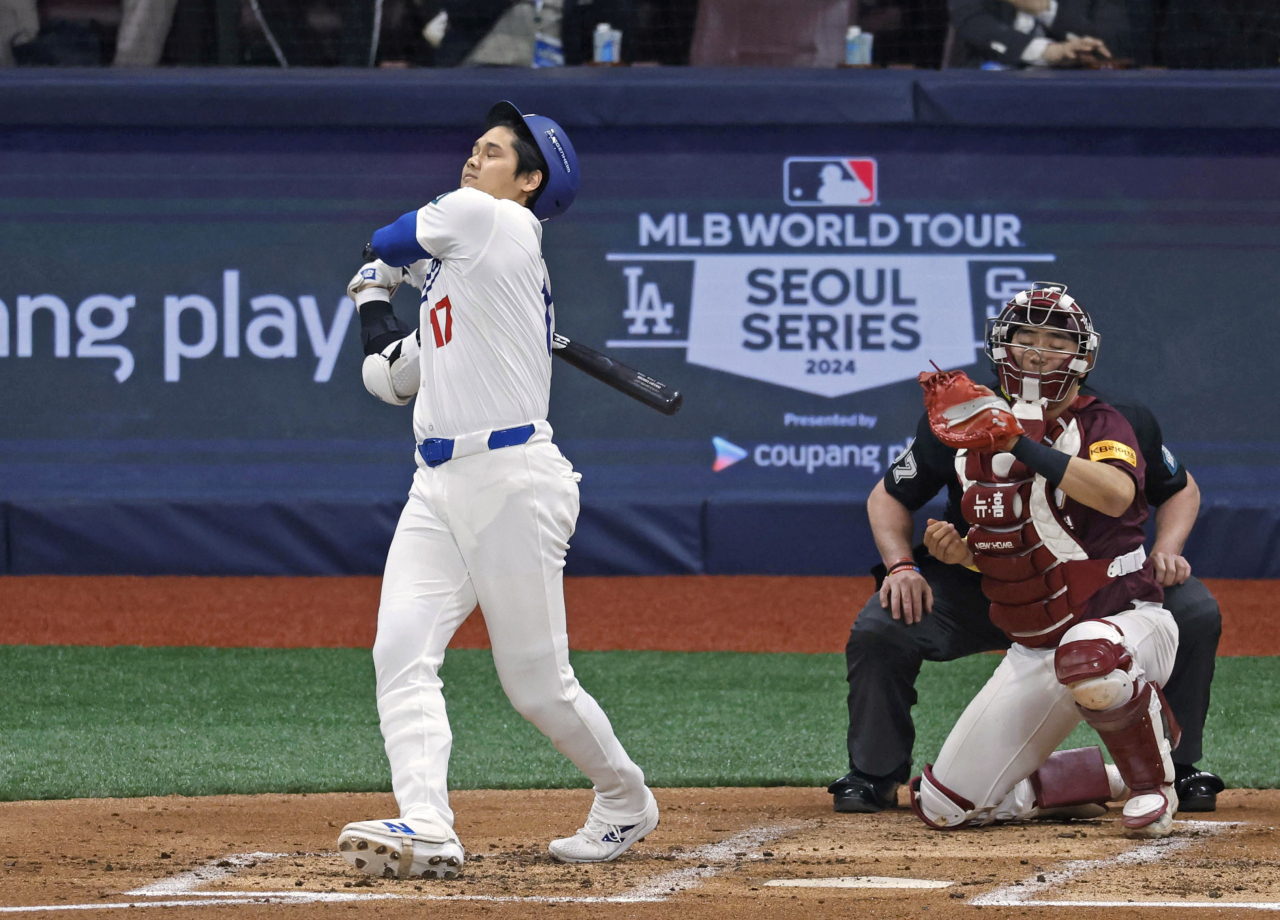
[{"x": 1106, "y": 437}]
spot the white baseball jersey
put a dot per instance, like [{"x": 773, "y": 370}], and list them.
[
  {"x": 490, "y": 527},
  {"x": 486, "y": 316}
]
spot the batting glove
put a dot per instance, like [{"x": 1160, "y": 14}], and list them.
[{"x": 376, "y": 280}]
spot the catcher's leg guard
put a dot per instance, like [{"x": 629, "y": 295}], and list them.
[
  {"x": 1126, "y": 711},
  {"x": 1075, "y": 784},
  {"x": 1069, "y": 784},
  {"x": 936, "y": 805}
]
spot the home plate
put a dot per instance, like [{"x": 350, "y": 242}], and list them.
[{"x": 857, "y": 881}]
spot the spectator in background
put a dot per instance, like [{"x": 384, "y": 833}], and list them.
[
  {"x": 503, "y": 32},
  {"x": 18, "y": 25},
  {"x": 468, "y": 24},
  {"x": 1023, "y": 33},
  {"x": 910, "y": 33},
  {"x": 144, "y": 26},
  {"x": 770, "y": 33},
  {"x": 1220, "y": 34}
]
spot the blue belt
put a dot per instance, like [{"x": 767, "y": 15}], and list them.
[{"x": 436, "y": 451}]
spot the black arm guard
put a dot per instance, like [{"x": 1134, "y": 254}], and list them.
[
  {"x": 1042, "y": 459},
  {"x": 379, "y": 327}
]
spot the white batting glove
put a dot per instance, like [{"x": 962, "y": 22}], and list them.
[{"x": 376, "y": 280}]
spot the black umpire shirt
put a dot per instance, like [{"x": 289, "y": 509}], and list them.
[{"x": 927, "y": 464}]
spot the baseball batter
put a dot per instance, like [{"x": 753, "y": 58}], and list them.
[
  {"x": 1053, "y": 491},
  {"x": 493, "y": 502}
]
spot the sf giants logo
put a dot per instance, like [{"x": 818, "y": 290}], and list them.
[
  {"x": 831, "y": 181},
  {"x": 442, "y": 322}
]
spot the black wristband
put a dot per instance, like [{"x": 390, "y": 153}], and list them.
[
  {"x": 1042, "y": 459},
  {"x": 379, "y": 326}
]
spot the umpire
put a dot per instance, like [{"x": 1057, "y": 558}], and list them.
[{"x": 925, "y": 609}]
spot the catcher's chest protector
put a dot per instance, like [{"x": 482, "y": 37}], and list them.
[{"x": 1034, "y": 571}]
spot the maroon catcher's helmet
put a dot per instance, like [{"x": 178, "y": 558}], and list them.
[{"x": 1046, "y": 304}]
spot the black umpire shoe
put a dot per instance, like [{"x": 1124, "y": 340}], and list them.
[
  {"x": 1197, "y": 789},
  {"x": 855, "y": 793}
]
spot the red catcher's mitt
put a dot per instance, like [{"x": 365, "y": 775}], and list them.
[{"x": 965, "y": 415}]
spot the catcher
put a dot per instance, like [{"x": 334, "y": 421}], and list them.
[{"x": 1053, "y": 491}]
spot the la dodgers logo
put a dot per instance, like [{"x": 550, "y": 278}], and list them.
[{"x": 830, "y": 181}]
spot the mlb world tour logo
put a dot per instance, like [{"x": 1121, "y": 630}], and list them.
[{"x": 830, "y": 302}]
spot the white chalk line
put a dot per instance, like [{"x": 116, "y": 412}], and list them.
[
  {"x": 1022, "y": 894},
  {"x": 860, "y": 881},
  {"x": 294, "y": 897},
  {"x": 1216, "y": 905},
  {"x": 662, "y": 887},
  {"x": 212, "y": 871},
  {"x": 184, "y": 884}
]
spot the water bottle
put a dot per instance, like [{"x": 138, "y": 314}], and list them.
[
  {"x": 857, "y": 47},
  {"x": 608, "y": 44}
]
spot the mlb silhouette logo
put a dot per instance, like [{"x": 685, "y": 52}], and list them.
[{"x": 830, "y": 181}]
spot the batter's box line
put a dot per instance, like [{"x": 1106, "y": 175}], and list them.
[
  {"x": 214, "y": 870},
  {"x": 247, "y": 898},
  {"x": 1022, "y": 894},
  {"x": 186, "y": 884}
]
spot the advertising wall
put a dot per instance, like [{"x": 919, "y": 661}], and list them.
[{"x": 180, "y": 365}]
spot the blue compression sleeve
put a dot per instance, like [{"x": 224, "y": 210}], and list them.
[{"x": 397, "y": 243}]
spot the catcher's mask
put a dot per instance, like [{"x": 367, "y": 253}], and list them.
[{"x": 1045, "y": 305}]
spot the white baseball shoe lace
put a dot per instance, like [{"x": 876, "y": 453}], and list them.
[{"x": 601, "y": 841}]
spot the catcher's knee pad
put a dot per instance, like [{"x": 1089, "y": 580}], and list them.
[
  {"x": 936, "y": 805},
  {"x": 1095, "y": 665}
]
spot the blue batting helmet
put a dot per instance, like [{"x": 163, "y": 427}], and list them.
[{"x": 561, "y": 186}]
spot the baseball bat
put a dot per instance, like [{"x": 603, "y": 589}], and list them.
[
  {"x": 622, "y": 377},
  {"x": 625, "y": 379}
]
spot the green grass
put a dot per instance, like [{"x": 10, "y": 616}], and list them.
[{"x": 131, "y": 721}]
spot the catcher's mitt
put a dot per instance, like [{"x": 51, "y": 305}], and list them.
[{"x": 964, "y": 414}]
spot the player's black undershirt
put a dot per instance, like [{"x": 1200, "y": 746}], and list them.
[{"x": 928, "y": 465}]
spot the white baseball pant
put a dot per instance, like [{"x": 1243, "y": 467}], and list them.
[
  {"x": 1023, "y": 713},
  {"x": 491, "y": 528}
]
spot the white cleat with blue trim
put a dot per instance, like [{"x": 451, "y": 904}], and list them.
[
  {"x": 600, "y": 841},
  {"x": 402, "y": 848}
]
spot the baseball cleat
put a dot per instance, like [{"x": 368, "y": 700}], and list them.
[
  {"x": 1150, "y": 814},
  {"x": 602, "y": 841},
  {"x": 402, "y": 848}
]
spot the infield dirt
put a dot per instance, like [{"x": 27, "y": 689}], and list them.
[{"x": 711, "y": 857}]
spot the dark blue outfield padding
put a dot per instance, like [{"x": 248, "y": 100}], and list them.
[
  {"x": 397, "y": 243},
  {"x": 614, "y": 537},
  {"x": 200, "y": 538}
]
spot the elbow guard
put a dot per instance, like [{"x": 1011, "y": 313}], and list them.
[{"x": 393, "y": 374}]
